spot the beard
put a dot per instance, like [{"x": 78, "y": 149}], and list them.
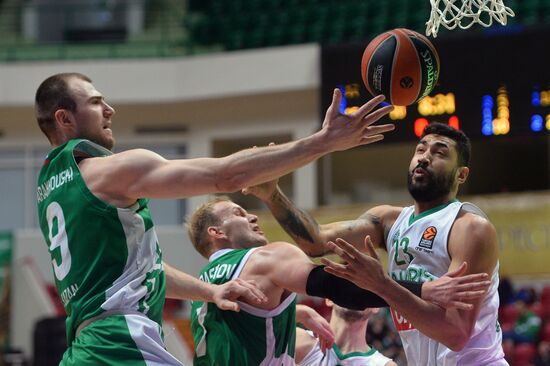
[
  {"x": 432, "y": 186},
  {"x": 108, "y": 144}
]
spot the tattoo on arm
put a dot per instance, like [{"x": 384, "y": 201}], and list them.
[
  {"x": 376, "y": 221},
  {"x": 295, "y": 222},
  {"x": 295, "y": 225},
  {"x": 373, "y": 219}
]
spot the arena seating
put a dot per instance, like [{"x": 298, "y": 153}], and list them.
[
  {"x": 172, "y": 29},
  {"x": 251, "y": 24},
  {"x": 545, "y": 333},
  {"x": 524, "y": 354},
  {"x": 520, "y": 354}
]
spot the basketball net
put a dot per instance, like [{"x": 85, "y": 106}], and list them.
[{"x": 465, "y": 13}]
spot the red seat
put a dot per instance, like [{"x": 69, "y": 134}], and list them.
[
  {"x": 524, "y": 354},
  {"x": 508, "y": 348},
  {"x": 537, "y": 308},
  {"x": 545, "y": 333},
  {"x": 508, "y": 313},
  {"x": 506, "y": 327},
  {"x": 545, "y": 295}
]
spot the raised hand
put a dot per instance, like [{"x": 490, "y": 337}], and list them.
[
  {"x": 349, "y": 130},
  {"x": 363, "y": 269},
  {"x": 225, "y": 295},
  {"x": 313, "y": 321},
  {"x": 453, "y": 290},
  {"x": 264, "y": 191}
]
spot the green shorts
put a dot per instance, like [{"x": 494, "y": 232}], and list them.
[{"x": 119, "y": 340}]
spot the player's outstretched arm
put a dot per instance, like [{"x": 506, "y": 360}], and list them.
[
  {"x": 140, "y": 173},
  {"x": 288, "y": 267},
  {"x": 311, "y": 236},
  {"x": 180, "y": 285},
  {"x": 451, "y": 327}
]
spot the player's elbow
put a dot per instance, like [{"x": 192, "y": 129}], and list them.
[{"x": 314, "y": 250}]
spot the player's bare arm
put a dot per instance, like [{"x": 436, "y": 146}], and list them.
[
  {"x": 140, "y": 173},
  {"x": 473, "y": 239},
  {"x": 311, "y": 236},
  {"x": 451, "y": 327},
  {"x": 180, "y": 285},
  {"x": 280, "y": 268}
]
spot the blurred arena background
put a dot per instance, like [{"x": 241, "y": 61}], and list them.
[{"x": 206, "y": 78}]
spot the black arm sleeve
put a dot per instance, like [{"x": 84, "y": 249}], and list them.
[{"x": 345, "y": 293}]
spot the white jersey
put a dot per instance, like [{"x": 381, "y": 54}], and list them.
[
  {"x": 417, "y": 251},
  {"x": 334, "y": 357}
]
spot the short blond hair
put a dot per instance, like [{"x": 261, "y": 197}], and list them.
[{"x": 198, "y": 223}]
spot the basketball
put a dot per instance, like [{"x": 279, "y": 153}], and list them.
[{"x": 401, "y": 64}]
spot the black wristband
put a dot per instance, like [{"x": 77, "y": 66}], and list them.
[
  {"x": 341, "y": 291},
  {"x": 347, "y": 294},
  {"x": 414, "y": 287}
]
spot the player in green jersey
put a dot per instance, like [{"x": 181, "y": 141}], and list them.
[
  {"x": 264, "y": 334},
  {"x": 106, "y": 261}
]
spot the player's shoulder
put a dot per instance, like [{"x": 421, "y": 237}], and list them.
[
  {"x": 274, "y": 255},
  {"x": 472, "y": 223},
  {"x": 128, "y": 162},
  {"x": 138, "y": 153},
  {"x": 277, "y": 248},
  {"x": 473, "y": 231},
  {"x": 384, "y": 212}
]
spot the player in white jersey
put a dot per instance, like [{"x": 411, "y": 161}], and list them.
[
  {"x": 350, "y": 347},
  {"x": 436, "y": 235}
]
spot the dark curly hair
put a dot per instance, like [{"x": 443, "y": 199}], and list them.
[{"x": 463, "y": 145}]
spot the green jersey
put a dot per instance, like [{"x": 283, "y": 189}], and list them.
[
  {"x": 106, "y": 260},
  {"x": 250, "y": 337}
]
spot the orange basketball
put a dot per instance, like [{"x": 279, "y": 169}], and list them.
[{"x": 401, "y": 64}]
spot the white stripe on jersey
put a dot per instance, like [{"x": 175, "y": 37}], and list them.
[
  {"x": 146, "y": 335},
  {"x": 128, "y": 289}
]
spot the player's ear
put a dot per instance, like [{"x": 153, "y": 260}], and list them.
[
  {"x": 463, "y": 173},
  {"x": 63, "y": 117},
  {"x": 215, "y": 232}
]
